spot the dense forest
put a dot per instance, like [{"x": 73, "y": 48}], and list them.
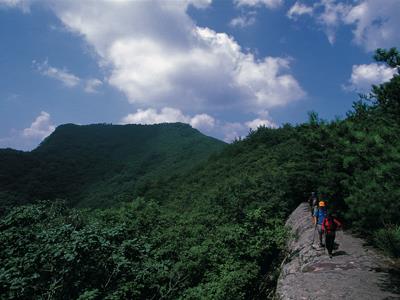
[
  {"x": 100, "y": 165},
  {"x": 214, "y": 229}
]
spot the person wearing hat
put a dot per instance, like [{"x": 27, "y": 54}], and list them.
[
  {"x": 329, "y": 227},
  {"x": 319, "y": 216}
]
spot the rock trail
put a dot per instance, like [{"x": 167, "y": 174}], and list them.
[{"x": 356, "y": 271}]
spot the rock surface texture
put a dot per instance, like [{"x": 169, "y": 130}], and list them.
[{"x": 355, "y": 272}]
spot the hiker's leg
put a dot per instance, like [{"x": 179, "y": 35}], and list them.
[
  {"x": 329, "y": 243},
  {"x": 320, "y": 233},
  {"x": 333, "y": 241}
]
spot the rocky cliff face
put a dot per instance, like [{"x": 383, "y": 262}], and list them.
[{"x": 355, "y": 271}]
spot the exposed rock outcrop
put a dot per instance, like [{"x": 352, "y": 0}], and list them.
[{"x": 355, "y": 271}]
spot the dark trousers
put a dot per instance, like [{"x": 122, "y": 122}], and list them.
[{"x": 330, "y": 242}]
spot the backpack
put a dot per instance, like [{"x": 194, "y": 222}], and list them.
[
  {"x": 320, "y": 213},
  {"x": 330, "y": 225}
]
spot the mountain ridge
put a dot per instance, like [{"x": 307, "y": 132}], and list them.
[{"x": 75, "y": 161}]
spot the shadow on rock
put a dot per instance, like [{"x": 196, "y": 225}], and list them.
[
  {"x": 391, "y": 281},
  {"x": 339, "y": 253}
]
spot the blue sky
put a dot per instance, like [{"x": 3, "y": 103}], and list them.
[{"x": 222, "y": 66}]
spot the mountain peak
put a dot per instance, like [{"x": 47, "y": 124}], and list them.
[{"x": 89, "y": 157}]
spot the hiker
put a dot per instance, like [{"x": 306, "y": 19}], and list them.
[
  {"x": 329, "y": 227},
  {"x": 319, "y": 216},
  {"x": 312, "y": 201}
]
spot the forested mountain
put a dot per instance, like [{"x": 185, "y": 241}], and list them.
[
  {"x": 214, "y": 231},
  {"x": 99, "y": 165}
]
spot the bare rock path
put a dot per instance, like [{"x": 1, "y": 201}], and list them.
[{"x": 356, "y": 271}]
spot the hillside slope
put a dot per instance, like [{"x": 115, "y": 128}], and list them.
[{"x": 99, "y": 165}]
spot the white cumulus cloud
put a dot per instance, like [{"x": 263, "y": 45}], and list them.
[
  {"x": 203, "y": 122},
  {"x": 152, "y": 116},
  {"x": 236, "y": 130},
  {"x": 228, "y": 131},
  {"x": 260, "y": 122},
  {"x": 28, "y": 138},
  {"x": 363, "y": 76},
  {"x": 158, "y": 57},
  {"x": 267, "y": 82},
  {"x": 233, "y": 130},
  {"x": 40, "y": 128}
]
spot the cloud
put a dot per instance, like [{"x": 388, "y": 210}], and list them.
[
  {"x": 363, "y": 76},
  {"x": 66, "y": 78},
  {"x": 331, "y": 17},
  {"x": 40, "y": 128},
  {"x": 92, "y": 84},
  {"x": 158, "y": 57},
  {"x": 233, "y": 130},
  {"x": 12, "y": 97},
  {"x": 152, "y": 116},
  {"x": 236, "y": 130},
  {"x": 328, "y": 14},
  {"x": 24, "y": 5},
  {"x": 266, "y": 82},
  {"x": 203, "y": 122},
  {"x": 375, "y": 23},
  {"x": 260, "y": 122},
  {"x": 199, "y": 3},
  {"x": 228, "y": 131},
  {"x": 299, "y": 9},
  {"x": 243, "y": 20},
  {"x": 266, "y": 3},
  {"x": 28, "y": 138}
]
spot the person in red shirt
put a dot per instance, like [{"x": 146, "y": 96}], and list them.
[{"x": 329, "y": 227}]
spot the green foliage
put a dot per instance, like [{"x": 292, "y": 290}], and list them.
[
  {"x": 137, "y": 251},
  {"x": 387, "y": 95},
  {"x": 388, "y": 239},
  {"x": 100, "y": 165},
  {"x": 390, "y": 57}
]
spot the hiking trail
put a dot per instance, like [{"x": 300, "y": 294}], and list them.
[{"x": 356, "y": 271}]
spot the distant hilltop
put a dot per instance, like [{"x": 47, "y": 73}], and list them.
[{"x": 100, "y": 164}]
